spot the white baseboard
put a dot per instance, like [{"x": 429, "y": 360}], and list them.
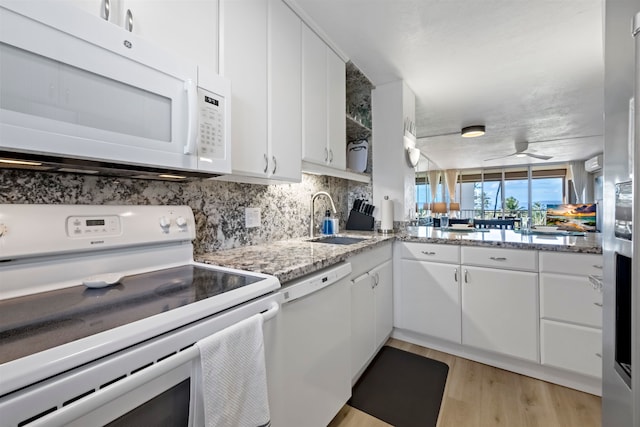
[{"x": 591, "y": 385}]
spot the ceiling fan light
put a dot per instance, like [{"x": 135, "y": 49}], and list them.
[{"x": 472, "y": 131}]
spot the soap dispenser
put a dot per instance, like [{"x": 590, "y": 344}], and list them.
[{"x": 327, "y": 224}]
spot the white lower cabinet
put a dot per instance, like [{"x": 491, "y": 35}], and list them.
[
  {"x": 571, "y": 313},
  {"x": 371, "y": 305},
  {"x": 383, "y": 298},
  {"x": 362, "y": 322},
  {"x": 431, "y": 296},
  {"x": 572, "y": 347},
  {"x": 533, "y": 312},
  {"x": 499, "y": 311}
]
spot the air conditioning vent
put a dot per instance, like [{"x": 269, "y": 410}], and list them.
[{"x": 593, "y": 164}]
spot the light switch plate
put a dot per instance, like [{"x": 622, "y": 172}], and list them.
[{"x": 252, "y": 217}]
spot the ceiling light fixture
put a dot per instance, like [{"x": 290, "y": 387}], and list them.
[{"x": 472, "y": 131}]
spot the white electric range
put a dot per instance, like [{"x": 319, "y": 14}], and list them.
[{"x": 99, "y": 309}]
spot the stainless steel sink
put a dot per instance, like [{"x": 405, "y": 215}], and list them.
[{"x": 338, "y": 240}]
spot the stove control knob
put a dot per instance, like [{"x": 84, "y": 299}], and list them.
[
  {"x": 164, "y": 222},
  {"x": 181, "y": 222}
]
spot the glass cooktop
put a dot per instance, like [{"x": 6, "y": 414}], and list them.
[{"x": 34, "y": 323}]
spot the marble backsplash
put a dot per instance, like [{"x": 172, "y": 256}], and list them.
[{"x": 218, "y": 206}]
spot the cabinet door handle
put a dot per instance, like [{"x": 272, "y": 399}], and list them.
[
  {"x": 377, "y": 279},
  {"x": 599, "y": 304},
  {"x": 275, "y": 165},
  {"x": 128, "y": 23},
  {"x": 266, "y": 163},
  {"x": 428, "y": 253},
  {"x": 326, "y": 155},
  {"x": 330, "y": 156},
  {"x": 455, "y": 275},
  {"x": 498, "y": 258},
  {"x": 599, "y": 267},
  {"x": 466, "y": 276},
  {"x": 599, "y": 355},
  {"x": 106, "y": 9}
]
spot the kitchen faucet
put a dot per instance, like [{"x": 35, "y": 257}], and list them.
[{"x": 313, "y": 199}]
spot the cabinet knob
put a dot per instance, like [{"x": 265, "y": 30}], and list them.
[
  {"x": 498, "y": 258},
  {"x": 428, "y": 253}
]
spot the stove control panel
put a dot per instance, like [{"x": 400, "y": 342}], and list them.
[{"x": 87, "y": 226}]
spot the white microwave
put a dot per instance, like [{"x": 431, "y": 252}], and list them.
[{"x": 76, "y": 89}]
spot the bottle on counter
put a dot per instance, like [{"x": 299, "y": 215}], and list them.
[{"x": 327, "y": 224}]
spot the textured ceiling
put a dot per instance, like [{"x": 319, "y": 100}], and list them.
[{"x": 530, "y": 70}]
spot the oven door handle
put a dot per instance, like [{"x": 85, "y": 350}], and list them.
[{"x": 73, "y": 411}]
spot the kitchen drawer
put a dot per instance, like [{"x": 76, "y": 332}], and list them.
[
  {"x": 571, "y": 347},
  {"x": 509, "y": 259},
  {"x": 369, "y": 259},
  {"x": 566, "y": 263},
  {"x": 431, "y": 252},
  {"x": 570, "y": 299}
]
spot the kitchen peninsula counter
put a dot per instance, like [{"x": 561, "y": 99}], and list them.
[
  {"x": 590, "y": 243},
  {"x": 291, "y": 259}
]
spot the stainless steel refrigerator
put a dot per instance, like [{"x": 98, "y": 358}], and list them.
[{"x": 621, "y": 302}]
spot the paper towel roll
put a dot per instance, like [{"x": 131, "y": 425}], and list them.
[{"x": 386, "y": 216}]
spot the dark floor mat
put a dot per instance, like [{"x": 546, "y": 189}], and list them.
[{"x": 401, "y": 388}]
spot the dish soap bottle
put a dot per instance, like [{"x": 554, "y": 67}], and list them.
[{"x": 327, "y": 224}]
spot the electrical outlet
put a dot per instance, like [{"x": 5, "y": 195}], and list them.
[{"x": 252, "y": 217}]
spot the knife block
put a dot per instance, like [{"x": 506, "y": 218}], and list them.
[{"x": 359, "y": 221}]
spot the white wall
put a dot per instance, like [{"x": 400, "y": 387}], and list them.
[{"x": 392, "y": 103}]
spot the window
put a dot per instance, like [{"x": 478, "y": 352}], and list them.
[{"x": 497, "y": 193}]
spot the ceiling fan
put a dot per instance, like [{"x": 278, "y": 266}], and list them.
[{"x": 521, "y": 151}]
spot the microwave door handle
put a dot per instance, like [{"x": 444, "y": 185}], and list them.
[{"x": 192, "y": 116}]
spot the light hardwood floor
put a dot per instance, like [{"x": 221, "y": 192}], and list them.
[{"x": 478, "y": 395}]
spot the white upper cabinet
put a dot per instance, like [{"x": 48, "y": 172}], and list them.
[
  {"x": 323, "y": 103},
  {"x": 285, "y": 95},
  {"x": 337, "y": 126},
  {"x": 261, "y": 55},
  {"x": 314, "y": 97},
  {"x": 187, "y": 28}
]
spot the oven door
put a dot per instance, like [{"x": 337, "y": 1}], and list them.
[
  {"x": 153, "y": 383},
  {"x": 75, "y": 86}
]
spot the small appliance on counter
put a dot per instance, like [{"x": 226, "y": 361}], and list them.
[
  {"x": 361, "y": 216},
  {"x": 357, "y": 152}
]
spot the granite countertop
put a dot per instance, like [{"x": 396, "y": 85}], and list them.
[
  {"x": 590, "y": 243},
  {"x": 290, "y": 259}
]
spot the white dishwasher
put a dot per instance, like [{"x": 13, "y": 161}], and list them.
[{"x": 313, "y": 350}]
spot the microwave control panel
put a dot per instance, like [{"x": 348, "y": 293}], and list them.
[{"x": 211, "y": 141}]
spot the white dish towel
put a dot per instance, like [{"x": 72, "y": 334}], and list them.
[{"x": 234, "y": 379}]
